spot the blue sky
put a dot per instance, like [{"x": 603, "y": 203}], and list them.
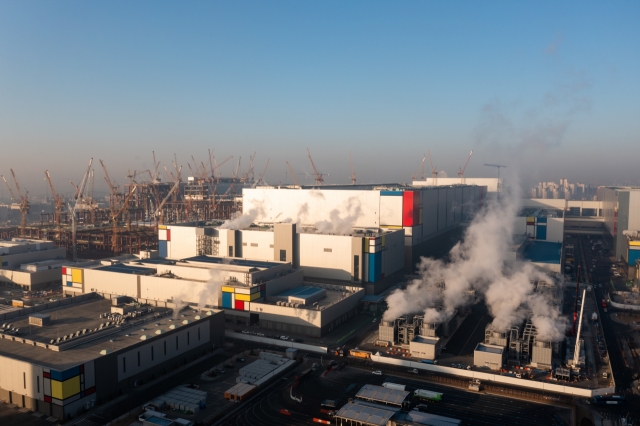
[{"x": 549, "y": 88}]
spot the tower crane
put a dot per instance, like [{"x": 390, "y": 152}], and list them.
[
  {"x": 57, "y": 199},
  {"x": 353, "y": 173},
  {"x": 499, "y": 166},
  {"x": 261, "y": 177},
  {"x": 249, "y": 175},
  {"x": 73, "y": 211},
  {"x": 461, "y": 170},
  {"x": 420, "y": 171},
  {"x": 293, "y": 175},
  {"x": 24, "y": 200},
  {"x": 434, "y": 170},
  {"x": 235, "y": 173},
  {"x": 318, "y": 175}
]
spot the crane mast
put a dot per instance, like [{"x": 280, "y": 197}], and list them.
[
  {"x": 353, "y": 173},
  {"x": 318, "y": 176},
  {"x": 461, "y": 170},
  {"x": 434, "y": 170}
]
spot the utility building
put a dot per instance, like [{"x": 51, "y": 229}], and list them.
[{"x": 30, "y": 264}]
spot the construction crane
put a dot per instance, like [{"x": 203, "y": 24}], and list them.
[
  {"x": 235, "y": 173},
  {"x": 156, "y": 177},
  {"x": 353, "y": 173},
  {"x": 434, "y": 170},
  {"x": 461, "y": 170},
  {"x": 58, "y": 200},
  {"x": 114, "y": 218},
  {"x": 73, "y": 211},
  {"x": 249, "y": 175},
  {"x": 261, "y": 177},
  {"x": 157, "y": 215},
  {"x": 293, "y": 175},
  {"x": 24, "y": 201},
  {"x": 216, "y": 166},
  {"x": 317, "y": 174},
  {"x": 420, "y": 171},
  {"x": 499, "y": 183}
]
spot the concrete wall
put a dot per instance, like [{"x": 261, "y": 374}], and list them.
[
  {"x": 495, "y": 378},
  {"x": 32, "y": 280},
  {"x": 111, "y": 282},
  {"x": 257, "y": 245},
  {"x": 14, "y": 261},
  {"x": 326, "y": 256}
]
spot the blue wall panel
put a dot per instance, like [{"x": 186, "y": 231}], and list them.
[
  {"x": 162, "y": 248},
  {"x": 633, "y": 256},
  {"x": 541, "y": 232},
  {"x": 226, "y": 300}
]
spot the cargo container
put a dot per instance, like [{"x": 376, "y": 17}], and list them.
[
  {"x": 427, "y": 395},
  {"x": 393, "y": 386}
]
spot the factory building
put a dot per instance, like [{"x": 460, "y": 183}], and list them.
[
  {"x": 404, "y": 331},
  {"x": 371, "y": 258},
  {"x": 30, "y": 264},
  {"x": 271, "y": 294},
  {"x": 384, "y": 406},
  {"x": 86, "y": 353},
  {"x": 540, "y": 224},
  {"x": 519, "y": 344},
  {"x": 426, "y": 213},
  {"x": 621, "y": 212},
  {"x": 544, "y": 254},
  {"x": 494, "y": 185}
]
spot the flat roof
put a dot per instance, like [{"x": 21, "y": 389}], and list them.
[
  {"x": 302, "y": 292},
  {"x": 68, "y": 319},
  {"x": 543, "y": 252},
  {"x": 382, "y": 394},
  {"x": 373, "y": 299},
  {"x": 490, "y": 349},
  {"x": 233, "y": 261},
  {"x": 127, "y": 269},
  {"x": 366, "y": 414},
  {"x": 426, "y": 339}
]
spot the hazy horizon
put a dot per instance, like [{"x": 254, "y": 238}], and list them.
[{"x": 548, "y": 89}]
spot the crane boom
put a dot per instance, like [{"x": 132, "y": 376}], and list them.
[
  {"x": 461, "y": 170},
  {"x": 57, "y": 199},
  {"x": 318, "y": 176},
  {"x": 293, "y": 175},
  {"x": 434, "y": 170},
  {"x": 75, "y": 207},
  {"x": 260, "y": 179}
]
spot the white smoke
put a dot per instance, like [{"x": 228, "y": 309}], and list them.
[
  {"x": 482, "y": 263},
  {"x": 206, "y": 295},
  {"x": 340, "y": 223},
  {"x": 243, "y": 221}
]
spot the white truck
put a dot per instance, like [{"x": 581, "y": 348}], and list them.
[
  {"x": 474, "y": 385},
  {"x": 393, "y": 386}
]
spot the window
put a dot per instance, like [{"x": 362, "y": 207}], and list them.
[
  {"x": 151, "y": 353},
  {"x": 24, "y": 379},
  {"x": 198, "y": 334},
  {"x": 38, "y": 383},
  {"x": 165, "y": 347},
  {"x": 254, "y": 244},
  {"x": 283, "y": 255},
  {"x": 244, "y": 244},
  {"x": 176, "y": 342},
  {"x": 138, "y": 358},
  {"x": 188, "y": 338},
  {"x": 230, "y": 251},
  {"x": 124, "y": 365},
  {"x": 270, "y": 245},
  {"x": 328, "y": 250}
]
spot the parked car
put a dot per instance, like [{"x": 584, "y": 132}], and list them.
[
  {"x": 246, "y": 332},
  {"x": 240, "y": 359},
  {"x": 377, "y": 372},
  {"x": 284, "y": 338}
]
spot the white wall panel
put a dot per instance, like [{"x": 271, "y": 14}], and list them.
[
  {"x": 13, "y": 374},
  {"x": 308, "y": 206},
  {"x": 390, "y": 210},
  {"x": 110, "y": 282},
  {"x": 183, "y": 242},
  {"x": 316, "y": 262},
  {"x": 257, "y": 244},
  {"x": 555, "y": 229}
]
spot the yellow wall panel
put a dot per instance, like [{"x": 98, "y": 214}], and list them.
[
  {"x": 228, "y": 289},
  {"x": 244, "y": 297},
  {"x": 77, "y": 275}
]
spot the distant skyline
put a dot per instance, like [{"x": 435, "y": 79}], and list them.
[{"x": 549, "y": 89}]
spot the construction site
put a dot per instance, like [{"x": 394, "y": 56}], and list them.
[{"x": 126, "y": 220}]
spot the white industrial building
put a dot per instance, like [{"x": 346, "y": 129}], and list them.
[
  {"x": 494, "y": 185},
  {"x": 30, "y": 264},
  {"x": 271, "y": 294},
  {"x": 369, "y": 257},
  {"x": 424, "y": 212}
]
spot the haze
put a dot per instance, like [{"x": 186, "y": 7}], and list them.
[{"x": 550, "y": 87}]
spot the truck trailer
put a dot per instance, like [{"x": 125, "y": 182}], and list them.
[
  {"x": 427, "y": 395},
  {"x": 393, "y": 386}
]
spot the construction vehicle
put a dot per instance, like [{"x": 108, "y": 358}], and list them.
[
  {"x": 360, "y": 354},
  {"x": 427, "y": 395}
]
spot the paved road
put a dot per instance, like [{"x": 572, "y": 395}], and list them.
[{"x": 472, "y": 408}]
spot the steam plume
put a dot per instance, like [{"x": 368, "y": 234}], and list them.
[
  {"x": 339, "y": 224},
  {"x": 242, "y": 221}
]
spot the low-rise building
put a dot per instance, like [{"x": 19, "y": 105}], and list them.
[{"x": 31, "y": 264}]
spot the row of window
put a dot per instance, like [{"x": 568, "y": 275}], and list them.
[{"x": 124, "y": 359}]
